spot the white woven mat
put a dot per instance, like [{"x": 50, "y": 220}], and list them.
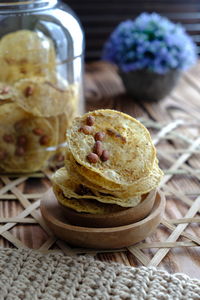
[{"x": 27, "y": 274}]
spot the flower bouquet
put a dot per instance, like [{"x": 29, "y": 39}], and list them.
[{"x": 150, "y": 52}]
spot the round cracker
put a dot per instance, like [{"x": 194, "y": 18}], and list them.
[
  {"x": 128, "y": 142},
  {"x": 94, "y": 177},
  {"x": 143, "y": 185},
  {"x": 43, "y": 98},
  {"x": 140, "y": 186},
  {"x": 86, "y": 180},
  {"x": 26, "y": 53},
  {"x": 15, "y": 122},
  {"x": 72, "y": 188},
  {"x": 85, "y": 205}
]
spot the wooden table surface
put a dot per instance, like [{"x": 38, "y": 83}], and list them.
[{"x": 174, "y": 124}]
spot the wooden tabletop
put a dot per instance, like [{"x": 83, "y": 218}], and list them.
[{"x": 174, "y": 125}]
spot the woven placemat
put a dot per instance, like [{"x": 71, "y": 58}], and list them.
[{"x": 28, "y": 274}]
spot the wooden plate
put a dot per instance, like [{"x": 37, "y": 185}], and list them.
[
  {"x": 100, "y": 238},
  {"x": 124, "y": 217}
]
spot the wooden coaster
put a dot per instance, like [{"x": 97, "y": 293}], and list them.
[{"x": 99, "y": 238}]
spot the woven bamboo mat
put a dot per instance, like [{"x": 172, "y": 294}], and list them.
[{"x": 174, "y": 125}]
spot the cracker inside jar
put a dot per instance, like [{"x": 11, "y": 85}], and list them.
[
  {"x": 23, "y": 148},
  {"x": 25, "y": 54},
  {"x": 41, "y": 145},
  {"x": 31, "y": 84},
  {"x": 43, "y": 98}
]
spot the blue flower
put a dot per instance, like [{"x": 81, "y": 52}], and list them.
[{"x": 150, "y": 42}]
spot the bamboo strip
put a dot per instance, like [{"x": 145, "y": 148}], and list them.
[
  {"x": 48, "y": 243},
  {"x": 178, "y": 172},
  {"x": 49, "y": 251},
  {"x": 165, "y": 245},
  {"x": 177, "y": 151},
  {"x": 139, "y": 255},
  {"x": 12, "y": 239},
  {"x": 190, "y": 170},
  {"x": 65, "y": 248},
  {"x": 184, "y": 220},
  {"x": 183, "y": 166},
  {"x": 39, "y": 219},
  {"x": 187, "y": 235},
  {"x": 151, "y": 124},
  {"x": 29, "y": 196},
  {"x": 18, "y": 220},
  {"x": 192, "y": 194},
  {"x": 23, "y": 214},
  {"x": 193, "y": 111},
  {"x": 28, "y": 175},
  {"x": 25, "y": 203},
  {"x": 183, "y": 158},
  {"x": 157, "y": 125},
  {"x": 174, "y": 135},
  {"x": 179, "y": 194},
  {"x": 11, "y": 184},
  {"x": 175, "y": 234},
  {"x": 165, "y": 130}
]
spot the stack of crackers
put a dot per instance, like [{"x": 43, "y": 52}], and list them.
[
  {"x": 110, "y": 164},
  {"x": 36, "y": 105}
]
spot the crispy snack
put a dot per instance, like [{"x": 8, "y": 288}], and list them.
[
  {"x": 143, "y": 185},
  {"x": 26, "y": 54},
  {"x": 130, "y": 151},
  {"x": 26, "y": 141},
  {"x": 93, "y": 177},
  {"x": 110, "y": 159},
  {"x": 85, "y": 205},
  {"x": 74, "y": 189},
  {"x": 139, "y": 187},
  {"x": 39, "y": 99},
  {"x": 72, "y": 168},
  {"x": 43, "y": 98}
]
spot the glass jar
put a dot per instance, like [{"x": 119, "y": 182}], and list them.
[{"x": 41, "y": 56}]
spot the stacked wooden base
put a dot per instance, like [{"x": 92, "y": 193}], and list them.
[{"x": 104, "y": 231}]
